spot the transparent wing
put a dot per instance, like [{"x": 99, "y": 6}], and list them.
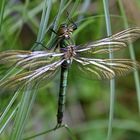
[
  {"x": 28, "y": 59},
  {"x": 43, "y": 73},
  {"x": 128, "y": 35},
  {"x": 30, "y": 66},
  {"x": 106, "y": 68},
  {"x": 110, "y": 44}
]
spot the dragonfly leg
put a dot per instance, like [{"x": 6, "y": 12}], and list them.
[
  {"x": 52, "y": 30},
  {"x": 60, "y": 126},
  {"x": 40, "y": 44}
]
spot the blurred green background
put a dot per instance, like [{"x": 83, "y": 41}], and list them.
[{"x": 87, "y": 100}]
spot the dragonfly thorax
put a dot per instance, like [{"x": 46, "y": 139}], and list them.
[{"x": 69, "y": 52}]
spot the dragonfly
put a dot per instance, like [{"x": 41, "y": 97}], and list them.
[{"x": 36, "y": 66}]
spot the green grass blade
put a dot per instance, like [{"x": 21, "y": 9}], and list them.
[
  {"x": 2, "y": 7},
  {"x": 29, "y": 92},
  {"x": 23, "y": 111},
  {"x": 9, "y": 106},
  {"x": 44, "y": 19},
  {"x": 10, "y": 116},
  {"x": 9, "y": 72},
  {"x": 112, "y": 82},
  {"x": 62, "y": 3},
  {"x": 44, "y": 22},
  {"x": 132, "y": 53},
  {"x": 69, "y": 131},
  {"x": 3, "y": 121},
  {"x": 83, "y": 9},
  {"x": 38, "y": 134},
  {"x": 31, "y": 102},
  {"x": 75, "y": 6}
]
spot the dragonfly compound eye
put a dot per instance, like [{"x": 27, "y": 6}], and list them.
[
  {"x": 62, "y": 29},
  {"x": 74, "y": 26},
  {"x": 64, "y": 26}
]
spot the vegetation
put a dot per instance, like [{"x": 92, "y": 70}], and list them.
[{"x": 28, "y": 111}]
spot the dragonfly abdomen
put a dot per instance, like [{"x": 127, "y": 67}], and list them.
[{"x": 62, "y": 94}]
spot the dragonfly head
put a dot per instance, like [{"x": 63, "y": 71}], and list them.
[
  {"x": 66, "y": 31},
  {"x": 63, "y": 31}
]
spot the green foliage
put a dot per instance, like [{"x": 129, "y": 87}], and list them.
[{"x": 33, "y": 109}]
